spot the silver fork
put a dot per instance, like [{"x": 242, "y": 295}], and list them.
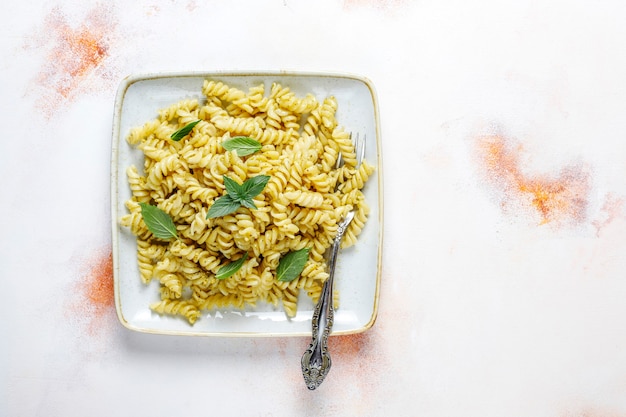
[{"x": 316, "y": 359}]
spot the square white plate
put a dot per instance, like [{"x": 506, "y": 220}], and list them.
[{"x": 358, "y": 272}]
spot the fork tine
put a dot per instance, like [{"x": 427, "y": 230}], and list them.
[
  {"x": 339, "y": 161},
  {"x": 359, "y": 148}
]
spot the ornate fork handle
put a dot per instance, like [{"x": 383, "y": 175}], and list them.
[{"x": 316, "y": 359}]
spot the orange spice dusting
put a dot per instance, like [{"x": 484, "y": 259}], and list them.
[
  {"x": 612, "y": 209},
  {"x": 357, "y": 354},
  {"x": 349, "y": 345},
  {"x": 77, "y": 51},
  {"x": 83, "y": 51},
  {"x": 76, "y": 56},
  {"x": 93, "y": 301},
  {"x": 358, "y": 362},
  {"x": 99, "y": 283},
  {"x": 555, "y": 199}
]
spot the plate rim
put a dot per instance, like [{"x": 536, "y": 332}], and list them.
[{"x": 122, "y": 89}]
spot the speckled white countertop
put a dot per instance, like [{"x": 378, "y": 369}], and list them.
[{"x": 503, "y": 129}]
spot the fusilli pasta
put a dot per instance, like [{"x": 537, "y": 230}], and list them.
[{"x": 305, "y": 198}]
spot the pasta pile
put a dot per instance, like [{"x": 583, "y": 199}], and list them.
[{"x": 300, "y": 206}]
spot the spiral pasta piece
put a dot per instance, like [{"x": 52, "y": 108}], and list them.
[
  {"x": 311, "y": 199},
  {"x": 177, "y": 307}
]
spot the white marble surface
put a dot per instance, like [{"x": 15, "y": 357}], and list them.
[{"x": 492, "y": 304}]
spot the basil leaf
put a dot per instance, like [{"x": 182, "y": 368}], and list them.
[
  {"x": 223, "y": 206},
  {"x": 183, "y": 131},
  {"x": 253, "y": 186},
  {"x": 228, "y": 270},
  {"x": 238, "y": 195},
  {"x": 159, "y": 222},
  {"x": 249, "y": 203},
  {"x": 292, "y": 264},
  {"x": 233, "y": 189},
  {"x": 243, "y": 145}
]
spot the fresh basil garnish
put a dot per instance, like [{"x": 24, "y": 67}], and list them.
[
  {"x": 228, "y": 270},
  {"x": 292, "y": 264},
  {"x": 158, "y": 222},
  {"x": 238, "y": 195},
  {"x": 244, "y": 145},
  {"x": 183, "y": 131}
]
